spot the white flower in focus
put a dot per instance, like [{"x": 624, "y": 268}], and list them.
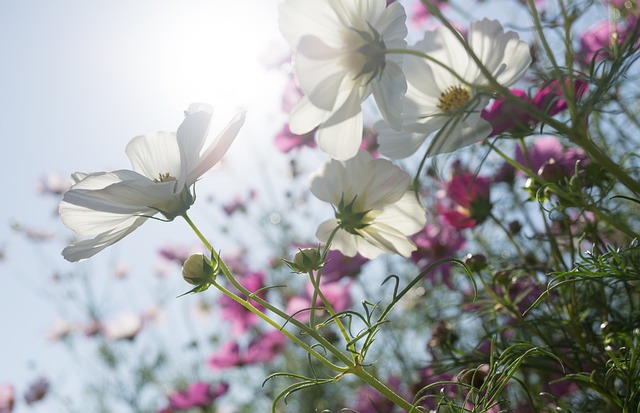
[
  {"x": 436, "y": 99},
  {"x": 110, "y": 205},
  {"x": 339, "y": 60},
  {"x": 375, "y": 211}
]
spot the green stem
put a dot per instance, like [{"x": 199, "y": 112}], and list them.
[
  {"x": 383, "y": 389},
  {"x": 603, "y": 160},
  {"x": 246, "y": 304},
  {"x": 308, "y": 330}
]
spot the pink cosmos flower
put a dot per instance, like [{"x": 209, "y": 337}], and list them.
[
  {"x": 7, "y": 398},
  {"x": 176, "y": 253},
  {"x": 265, "y": 347},
  {"x": 286, "y": 140},
  {"x": 420, "y": 13},
  {"x": 512, "y": 118},
  {"x": 242, "y": 319},
  {"x": 436, "y": 242},
  {"x": 37, "y": 391},
  {"x": 198, "y": 394},
  {"x": 338, "y": 265},
  {"x": 466, "y": 200},
  {"x": 549, "y": 159},
  {"x": 337, "y": 294},
  {"x": 262, "y": 349},
  {"x": 597, "y": 42},
  {"x": 238, "y": 204},
  {"x": 227, "y": 356},
  {"x": 371, "y": 401}
]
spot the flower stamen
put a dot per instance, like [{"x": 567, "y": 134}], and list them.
[
  {"x": 164, "y": 177},
  {"x": 453, "y": 98}
]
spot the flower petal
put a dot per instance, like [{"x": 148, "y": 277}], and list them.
[
  {"x": 88, "y": 248},
  {"x": 340, "y": 136},
  {"x": 397, "y": 145},
  {"x": 191, "y": 136},
  {"x": 305, "y": 116},
  {"x": 217, "y": 149},
  {"x": 406, "y": 215},
  {"x": 155, "y": 154},
  {"x": 342, "y": 241},
  {"x": 389, "y": 93}
]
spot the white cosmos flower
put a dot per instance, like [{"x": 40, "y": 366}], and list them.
[
  {"x": 375, "y": 211},
  {"x": 437, "y": 100},
  {"x": 110, "y": 205},
  {"x": 339, "y": 60}
]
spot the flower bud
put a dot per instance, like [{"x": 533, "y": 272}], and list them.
[
  {"x": 198, "y": 270},
  {"x": 306, "y": 260},
  {"x": 476, "y": 262}
]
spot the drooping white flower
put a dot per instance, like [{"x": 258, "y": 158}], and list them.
[
  {"x": 110, "y": 205},
  {"x": 438, "y": 100},
  {"x": 375, "y": 210},
  {"x": 339, "y": 60}
]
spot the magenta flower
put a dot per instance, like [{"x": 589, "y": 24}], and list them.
[
  {"x": 549, "y": 159},
  {"x": 338, "y": 265},
  {"x": 436, "y": 242},
  {"x": 505, "y": 117},
  {"x": 176, "y": 253},
  {"x": 37, "y": 391},
  {"x": 265, "y": 347},
  {"x": 286, "y": 140},
  {"x": 337, "y": 294},
  {"x": 198, "y": 394},
  {"x": 466, "y": 200},
  {"x": 551, "y": 100},
  {"x": 241, "y": 318},
  {"x": 238, "y": 204},
  {"x": 420, "y": 13},
  {"x": 262, "y": 349},
  {"x": 371, "y": 401},
  {"x": 7, "y": 398},
  {"x": 227, "y": 356},
  {"x": 597, "y": 42}
]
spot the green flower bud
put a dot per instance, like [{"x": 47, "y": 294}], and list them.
[
  {"x": 306, "y": 260},
  {"x": 198, "y": 270}
]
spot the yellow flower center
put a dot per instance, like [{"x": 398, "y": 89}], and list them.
[
  {"x": 165, "y": 177},
  {"x": 453, "y": 98}
]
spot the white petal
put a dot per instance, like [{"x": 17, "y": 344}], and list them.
[
  {"x": 91, "y": 212},
  {"x": 327, "y": 183},
  {"x": 397, "y": 145},
  {"x": 378, "y": 181},
  {"x": 88, "y": 248},
  {"x": 152, "y": 155},
  {"x": 217, "y": 149},
  {"x": 302, "y": 17},
  {"x": 389, "y": 92},
  {"x": 191, "y": 135},
  {"x": 342, "y": 240},
  {"x": 392, "y": 27},
  {"x": 305, "y": 116},
  {"x": 319, "y": 71},
  {"x": 387, "y": 239},
  {"x": 406, "y": 215},
  {"x": 340, "y": 136},
  {"x": 458, "y": 134}
]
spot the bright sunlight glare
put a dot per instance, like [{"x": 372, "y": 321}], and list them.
[{"x": 208, "y": 51}]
